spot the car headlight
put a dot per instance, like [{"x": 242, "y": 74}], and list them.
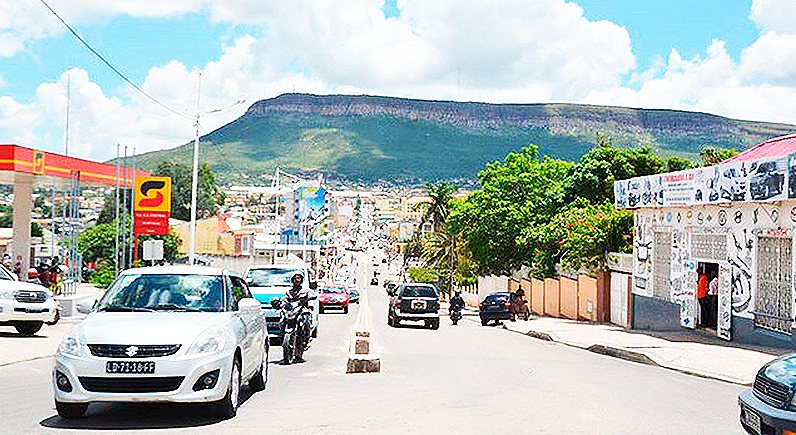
[
  {"x": 211, "y": 340},
  {"x": 70, "y": 344},
  {"x": 6, "y": 294}
]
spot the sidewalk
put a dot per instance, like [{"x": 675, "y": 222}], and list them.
[{"x": 693, "y": 352}]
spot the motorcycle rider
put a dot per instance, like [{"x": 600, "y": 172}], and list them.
[
  {"x": 300, "y": 296},
  {"x": 456, "y": 306}
]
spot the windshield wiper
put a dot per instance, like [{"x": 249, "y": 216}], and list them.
[
  {"x": 174, "y": 307},
  {"x": 122, "y": 308}
]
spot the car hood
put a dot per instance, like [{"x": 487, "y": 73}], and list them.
[
  {"x": 782, "y": 370},
  {"x": 265, "y": 294},
  {"x": 7, "y": 284},
  {"x": 161, "y": 327}
]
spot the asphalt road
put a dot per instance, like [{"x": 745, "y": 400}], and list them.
[{"x": 464, "y": 379}]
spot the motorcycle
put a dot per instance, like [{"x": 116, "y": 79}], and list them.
[
  {"x": 456, "y": 315},
  {"x": 296, "y": 322}
]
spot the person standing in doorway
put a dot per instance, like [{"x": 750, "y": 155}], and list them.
[
  {"x": 713, "y": 298},
  {"x": 702, "y": 296}
]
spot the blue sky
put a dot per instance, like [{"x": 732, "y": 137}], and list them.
[{"x": 728, "y": 58}]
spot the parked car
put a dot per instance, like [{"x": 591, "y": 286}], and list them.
[
  {"x": 766, "y": 181},
  {"x": 414, "y": 302},
  {"x": 353, "y": 294},
  {"x": 333, "y": 296},
  {"x": 495, "y": 307},
  {"x": 768, "y": 407},
  {"x": 164, "y": 334},
  {"x": 271, "y": 281},
  {"x": 24, "y": 305}
]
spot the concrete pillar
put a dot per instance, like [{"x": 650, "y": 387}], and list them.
[{"x": 23, "y": 204}]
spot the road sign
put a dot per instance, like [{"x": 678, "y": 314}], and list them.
[
  {"x": 152, "y": 205},
  {"x": 153, "y": 250}
]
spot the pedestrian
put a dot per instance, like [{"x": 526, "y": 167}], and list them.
[
  {"x": 713, "y": 298},
  {"x": 702, "y": 296}
]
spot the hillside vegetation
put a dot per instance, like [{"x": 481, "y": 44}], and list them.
[{"x": 367, "y": 139}]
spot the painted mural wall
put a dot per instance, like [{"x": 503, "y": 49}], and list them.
[{"x": 742, "y": 223}]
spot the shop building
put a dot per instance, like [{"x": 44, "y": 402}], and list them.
[{"x": 735, "y": 221}]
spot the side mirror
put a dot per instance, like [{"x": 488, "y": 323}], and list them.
[
  {"x": 84, "y": 306},
  {"x": 313, "y": 285},
  {"x": 249, "y": 306},
  {"x": 276, "y": 303}
]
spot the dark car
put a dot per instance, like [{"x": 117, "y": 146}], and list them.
[
  {"x": 495, "y": 307},
  {"x": 768, "y": 408},
  {"x": 414, "y": 302},
  {"x": 766, "y": 181}
]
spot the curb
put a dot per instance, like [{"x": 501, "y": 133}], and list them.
[{"x": 629, "y": 355}]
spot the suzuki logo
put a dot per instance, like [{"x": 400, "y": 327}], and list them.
[{"x": 131, "y": 351}]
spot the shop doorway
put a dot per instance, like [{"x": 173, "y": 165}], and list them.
[{"x": 708, "y": 294}]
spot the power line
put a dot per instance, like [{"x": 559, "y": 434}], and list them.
[{"x": 119, "y": 73}]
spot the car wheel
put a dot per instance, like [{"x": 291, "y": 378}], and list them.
[
  {"x": 320, "y": 310},
  {"x": 345, "y": 310},
  {"x": 228, "y": 406},
  {"x": 389, "y": 320},
  {"x": 56, "y": 318},
  {"x": 28, "y": 328},
  {"x": 484, "y": 322},
  {"x": 257, "y": 382},
  {"x": 513, "y": 317},
  {"x": 70, "y": 410},
  {"x": 435, "y": 324}
]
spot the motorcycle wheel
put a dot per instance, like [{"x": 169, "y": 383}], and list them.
[
  {"x": 298, "y": 347},
  {"x": 287, "y": 351}
]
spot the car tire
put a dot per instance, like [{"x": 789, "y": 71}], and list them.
[
  {"x": 70, "y": 410},
  {"x": 228, "y": 406},
  {"x": 320, "y": 310},
  {"x": 484, "y": 322},
  {"x": 257, "y": 382},
  {"x": 513, "y": 317},
  {"x": 435, "y": 324},
  {"x": 28, "y": 329},
  {"x": 396, "y": 322},
  {"x": 345, "y": 310}
]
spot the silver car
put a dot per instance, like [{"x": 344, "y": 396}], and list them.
[{"x": 164, "y": 334}]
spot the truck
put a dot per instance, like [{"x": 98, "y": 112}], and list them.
[{"x": 272, "y": 281}]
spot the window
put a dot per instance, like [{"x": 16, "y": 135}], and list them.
[
  {"x": 239, "y": 291},
  {"x": 773, "y": 297}
]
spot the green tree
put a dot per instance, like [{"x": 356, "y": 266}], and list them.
[
  {"x": 438, "y": 210},
  {"x": 713, "y": 156},
  {"x": 209, "y": 196},
  {"x": 7, "y": 221},
  {"x": 522, "y": 191},
  {"x": 674, "y": 163},
  {"x": 108, "y": 212}
]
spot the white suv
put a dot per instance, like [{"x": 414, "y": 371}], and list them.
[{"x": 24, "y": 305}]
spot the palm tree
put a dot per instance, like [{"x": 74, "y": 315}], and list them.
[{"x": 437, "y": 211}]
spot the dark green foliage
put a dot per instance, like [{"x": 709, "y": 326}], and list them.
[
  {"x": 209, "y": 196},
  {"x": 713, "y": 156}
]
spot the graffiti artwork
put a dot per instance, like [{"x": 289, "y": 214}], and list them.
[
  {"x": 740, "y": 251},
  {"x": 643, "y": 240},
  {"x": 683, "y": 276},
  {"x": 724, "y": 320}
]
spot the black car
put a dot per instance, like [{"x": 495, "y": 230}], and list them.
[
  {"x": 414, "y": 302},
  {"x": 496, "y": 307},
  {"x": 766, "y": 181},
  {"x": 768, "y": 407}
]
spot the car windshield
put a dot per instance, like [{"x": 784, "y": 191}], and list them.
[
  {"x": 271, "y": 277},
  {"x": 333, "y": 290},
  {"x": 418, "y": 291},
  {"x": 498, "y": 298},
  {"x": 155, "y": 292}
]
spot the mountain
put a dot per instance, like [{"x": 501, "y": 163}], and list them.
[{"x": 370, "y": 138}]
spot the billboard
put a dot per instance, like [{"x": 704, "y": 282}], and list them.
[
  {"x": 768, "y": 179},
  {"x": 152, "y": 205}
]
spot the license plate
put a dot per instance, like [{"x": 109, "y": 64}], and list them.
[
  {"x": 751, "y": 419},
  {"x": 130, "y": 367},
  {"x": 34, "y": 310},
  {"x": 418, "y": 305}
]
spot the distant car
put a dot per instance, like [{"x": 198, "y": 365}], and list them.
[
  {"x": 333, "y": 296},
  {"x": 766, "y": 181},
  {"x": 25, "y": 306},
  {"x": 495, "y": 307},
  {"x": 353, "y": 294},
  {"x": 164, "y": 334},
  {"x": 414, "y": 302},
  {"x": 768, "y": 407}
]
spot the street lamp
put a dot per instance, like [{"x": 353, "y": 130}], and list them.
[{"x": 195, "y": 172}]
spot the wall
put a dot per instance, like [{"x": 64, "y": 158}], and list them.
[{"x": 568, "y": 303}]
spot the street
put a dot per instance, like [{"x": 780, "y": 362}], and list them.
[{"x": 459, "y": 379}]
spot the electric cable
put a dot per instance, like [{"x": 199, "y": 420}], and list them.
[{"x": 114, "y": 69}]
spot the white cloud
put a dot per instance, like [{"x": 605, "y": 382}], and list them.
[{"x": 774, "y": 15}]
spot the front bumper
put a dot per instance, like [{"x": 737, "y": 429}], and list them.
[
  {"x": 325, "y": 305},
  {"x": 772, "y": 420},
  {"x": 190, "y": 367},
  {"x": 14, "y": 311}
]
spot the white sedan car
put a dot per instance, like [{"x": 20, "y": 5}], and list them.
[
  {"x": 24, "y": 305},
  {"x": 164, "y": 334}
]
